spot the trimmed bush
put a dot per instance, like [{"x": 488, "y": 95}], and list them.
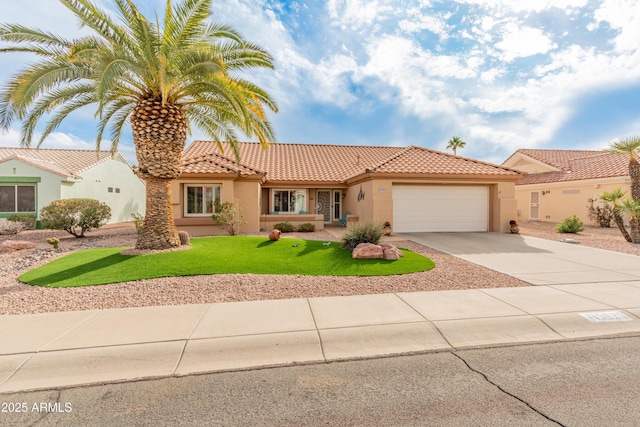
[
  {"x": 362, "y": 232},
  {"x": 284, "y": 227},
  {"x": 307, "y": 227},
  {"x": 11, "y": 227},
  {"x": 28, "y": 220},
  {"x": 75, "y": 216},
  {"x": 571, "y": 224}
]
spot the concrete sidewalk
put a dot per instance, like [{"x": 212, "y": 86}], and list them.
[
  {"x": 533, "y": 260},
  {"x": 43, "y": 351}
]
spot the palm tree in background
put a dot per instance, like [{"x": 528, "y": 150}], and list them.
[
  {"x": 455, "y": 143},
  {"x": 614, "y": 198},
  {"x": 163, "y": 76},
  {"x": 629, "y": 147}
]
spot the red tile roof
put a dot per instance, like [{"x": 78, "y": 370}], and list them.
[
  {"x": 575, "y": 165},
  {"x": 559, "y": 159},
  {"x": 59, "y": 161},
  {"x": 215, "y": 163},
  {"x": 337, "y": 163},
  {"x": 426, "y": 161}
]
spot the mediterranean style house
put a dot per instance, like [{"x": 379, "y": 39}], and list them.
[
  {"x": 560, "y": 183},
  {"x": 414, "y": 188},
  {"x": 31, "y": 178}
]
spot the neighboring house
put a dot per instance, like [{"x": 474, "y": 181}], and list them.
[
  {"x": 560, "y": 183},
  {"x": 31, "y": 178},
  {"x": 414, "y": 188}
]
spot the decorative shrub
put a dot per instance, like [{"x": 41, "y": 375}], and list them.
[
  {"x": 75, "y": 216},
  {"x": 11, "y": 227},
  {"x": 307, "y": 227},
  {"x": 28, "y": 220},
  {"x": 601, "y": 215},
  {"x": 138, "y": 221},
  {"x": 184, "y": 238},
  {"x": 571, "y": 224},
  {"x": 284, "y": 227},
  {"x": 227, "y": 215},
  {"x": 362, "y": 232}
]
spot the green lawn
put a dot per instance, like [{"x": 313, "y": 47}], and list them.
[{"x": 218, "y": 255}]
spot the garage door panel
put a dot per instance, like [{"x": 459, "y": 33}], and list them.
[{"x": 440, "y": 208}]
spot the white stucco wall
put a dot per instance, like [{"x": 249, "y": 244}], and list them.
[
  {"x": 47, "y": 190},
  {"x": 127, "y": 195}
]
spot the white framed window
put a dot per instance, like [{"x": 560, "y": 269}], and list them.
[
  {"x": 17, "y": 198},
  {"x": 201, "y": 200},
  {"x": 289, "y": 201}
]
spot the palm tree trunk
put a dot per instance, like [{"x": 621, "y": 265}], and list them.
[
  {"x": 634, "y": 231},
  {"x": 620, "y": 223},
  {"x": 159, "y": 231},
  {"x": 634, "y": 174},
  {"x": 159, "y": 134}
]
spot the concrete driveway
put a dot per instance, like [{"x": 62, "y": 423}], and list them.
[{"x": 533, "y": 260}]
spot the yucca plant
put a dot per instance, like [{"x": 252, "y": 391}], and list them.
[
  {"x": 362, "y": 232},
  {"x": 163, "y": 75}
]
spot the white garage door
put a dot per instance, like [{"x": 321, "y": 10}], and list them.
[{"x": 428, "y": 208}]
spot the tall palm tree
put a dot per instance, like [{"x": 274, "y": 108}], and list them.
[
  {"x": 632, "y": 208},
  {"x": 455, "y": 143},
  {"x": 629, "y": 146},
  {"x": 614, "y": 198},
  {"x": 163, "y": 76}
]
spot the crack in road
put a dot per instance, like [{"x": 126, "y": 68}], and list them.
[{"x": 486, "y": 378}]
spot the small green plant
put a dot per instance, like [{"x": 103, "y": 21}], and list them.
[
  {"x": 28, "y": 220},
  {"x": 284, "y": 227},
  {"x": 227, "y": 215},
  {"x": 307, "y": 227},
  {"x": 53, "y": 241},
  {"x": 571, "y": 224},
  {"x": 75, "y": 216},
  {"x": 362, "y": 232},
  {"x": 138, "y": 221}
]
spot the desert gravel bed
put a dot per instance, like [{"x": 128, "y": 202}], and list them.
[
  {"x": 18, "y": 298},
  {"x": 608, "y": 238}
]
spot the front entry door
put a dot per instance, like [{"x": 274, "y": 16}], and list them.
[
  {"x": 534, "y": 212},
  {"x": 323, "y": 206}
]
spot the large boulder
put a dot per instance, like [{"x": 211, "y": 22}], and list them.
[
  {"x": 16, "y": 245},
  {"x": 390, "y": 252},
  {"x": 367, "y": 250}
]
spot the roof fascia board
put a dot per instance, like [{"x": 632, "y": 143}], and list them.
[
  {"x": 609, "y": 180},
  {"x": 436, "y": 177}
]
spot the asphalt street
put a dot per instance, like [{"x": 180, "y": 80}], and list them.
[{"x": 570, "y": 383}]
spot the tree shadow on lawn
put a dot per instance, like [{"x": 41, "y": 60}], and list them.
[{"x": 75, "y": 272}]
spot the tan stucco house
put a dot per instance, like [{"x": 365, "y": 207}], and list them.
[
  {"x": 31, "y": 178},
  {"x": 414, "y": 188},
  {"x": 560, "y": 183}
]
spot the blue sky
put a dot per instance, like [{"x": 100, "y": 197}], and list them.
[{"x": 500, "y": 74}]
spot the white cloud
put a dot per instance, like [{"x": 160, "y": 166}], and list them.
[
  {"x": 356, "y": 14},
  {"x": 520, "y": 42},
  {"x": 624, "y": 16},
  {"x": 418, "y": 21}
]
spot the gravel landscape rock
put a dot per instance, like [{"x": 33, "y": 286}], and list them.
[{"x": 450, "y": 273}]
